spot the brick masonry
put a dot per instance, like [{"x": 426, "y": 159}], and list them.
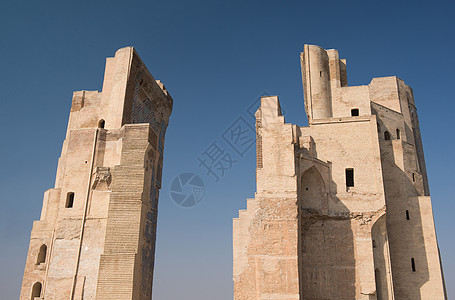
[
  {"x": 96, "y": 235},
  {"x": 314, "y": 231}
]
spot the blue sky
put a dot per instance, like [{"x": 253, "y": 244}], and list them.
[{"x": 216, "y": 58}]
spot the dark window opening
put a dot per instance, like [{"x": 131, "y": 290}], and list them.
[
  {"x": 413, "y": 177},
  {"x": 41, "y": 255},
  {"x": 387, "y": 135},
  {"x": 69, "y": 200},
  {"x": 413, "y": 264},
  {"x": 398, "y": 134},
  {"x": 101, "y": 123},
  {"x": 349, "y": 177},
  {"x": 320, "y": 73},
  {"x": 36, "y": 290},
  {"x": 355, "y": 112},
  {"x": 407, "y": 215},
  {"x": 374, "y": 244}
]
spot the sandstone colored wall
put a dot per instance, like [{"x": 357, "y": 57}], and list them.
[
  {"x": 265, "y": 236},
  {"x": 410, "y": 223},
  {"x": 101, "y": 246},
  {"x": 350, "y": 241}
]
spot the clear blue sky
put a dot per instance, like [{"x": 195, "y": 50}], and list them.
[{"x": 215, "y": 58}]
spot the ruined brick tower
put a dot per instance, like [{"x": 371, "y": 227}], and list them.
[
  {"x": 342, "y": 208},
  {"x": 96, "y": 235}
]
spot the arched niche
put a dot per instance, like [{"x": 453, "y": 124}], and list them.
[
  {"x": 36, "y": 290},
  {"x": 313, "y": 191},
  {"x": 387, "y": 136},
  {"x": 41, "y": 255}
]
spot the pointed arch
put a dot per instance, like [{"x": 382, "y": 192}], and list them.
[
  {"x": 313, "y": 190},
  {"x": 324, "y": 243}
]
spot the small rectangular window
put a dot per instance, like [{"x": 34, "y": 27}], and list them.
[
  {"x": 354, "y": 112},
  {"x": 407, "y": 215},
  {"x": 413, "y": 264},
  {"x": 69, "y": 200},
  {"x": 349, "y": 177}
]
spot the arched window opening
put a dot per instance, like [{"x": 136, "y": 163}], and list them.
[
  {"x": 36, "y": 290},
  {"x": 41, "y": 255},
  {"x": 320, "y": 73},
  {"x": 69, "y": 200},
  {"x": 101, "y": 123},
  {"x": 387, "y": 135},
  {"x": 413, "y": 177},
  {"x": 407, "y": 215},
  {"x": 354, "y": 112},
  {"x": 413, "y": 264},
  {"x": 379, "y": 127},
  {"x": 349, "y": 177},
  {"x": 313, "y": 189},
  {"x": 398, "y": 134}
]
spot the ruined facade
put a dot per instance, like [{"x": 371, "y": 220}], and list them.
[
  {"x": 342, "y": 208},
  {"x": 96, "y": 235}
]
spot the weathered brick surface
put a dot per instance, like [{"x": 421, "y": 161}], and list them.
[
  {"x": 95, "y": 241},
  {"x": 307, "y": 234}
]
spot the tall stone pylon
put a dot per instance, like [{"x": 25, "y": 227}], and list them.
[
  {"x": 342, "y": 208},
  {"x": 96, "y": 235}
]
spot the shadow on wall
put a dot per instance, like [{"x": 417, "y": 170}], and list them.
[
  {"x": 381, "y": 258},
  {"x": 404, "y": 225},
  {"x": 326, "y": 260}
]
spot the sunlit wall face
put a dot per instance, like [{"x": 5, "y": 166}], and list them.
[{"x": 216, "y": 58}]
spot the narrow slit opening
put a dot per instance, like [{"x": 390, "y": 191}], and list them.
[
  {"x": 41, "y": 255},
  {"x": 349, "y": 177},
  {"x": 69, "y": 200}
]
